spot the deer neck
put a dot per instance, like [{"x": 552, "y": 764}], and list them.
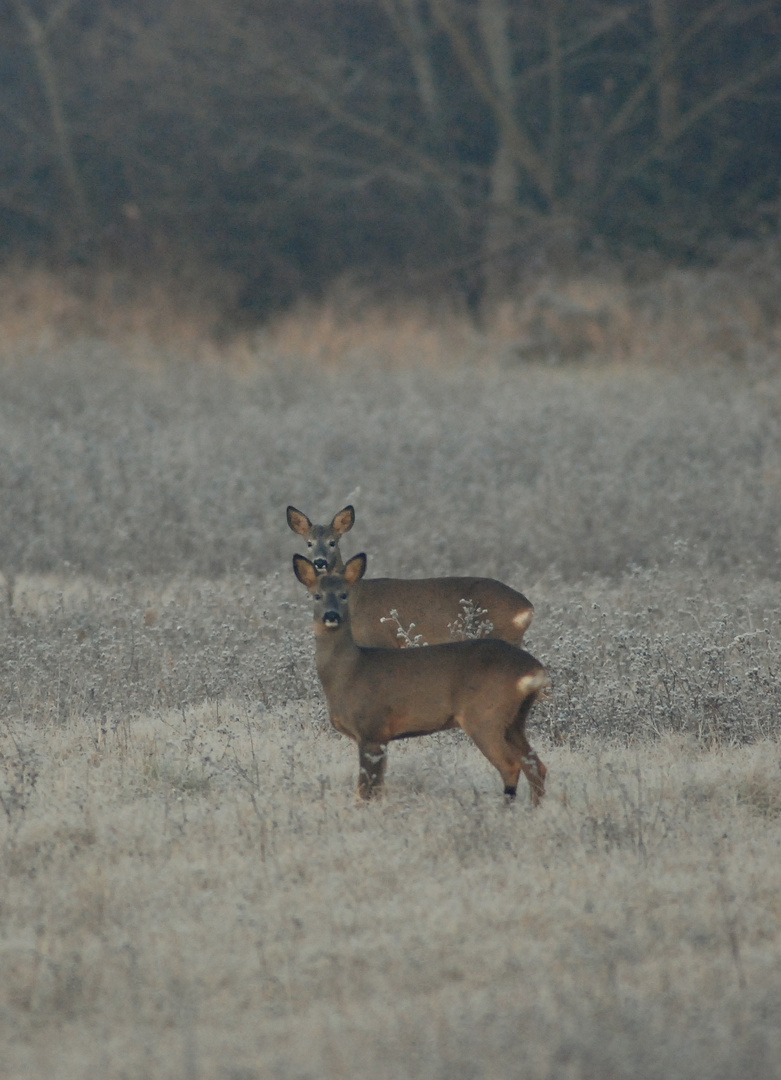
[{"x": 335, "y": 652}]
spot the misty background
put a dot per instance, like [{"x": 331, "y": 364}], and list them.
[{"x": 436, "y": 147}]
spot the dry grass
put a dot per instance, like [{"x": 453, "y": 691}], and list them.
[
  {"x": 728, "y": 313},
  {"x": 181, "y": 309},
  {"x": 196, "y": 893},
  {"x": 187, "y": 888},
  {"x": 326, "y": 335}
]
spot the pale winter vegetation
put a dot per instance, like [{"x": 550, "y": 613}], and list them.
[{"x": 187, "y": 887}]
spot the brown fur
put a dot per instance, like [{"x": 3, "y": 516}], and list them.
[
  {"x": 430, "y": 604},
  {"x": 376, "y": 695}
]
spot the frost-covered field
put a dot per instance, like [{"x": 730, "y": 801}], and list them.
[{"x": 187, "y": 888}]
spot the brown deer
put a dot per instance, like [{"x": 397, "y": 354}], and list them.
[
  {"x": 431, "y": 604},
  {"x": 486, "y": 687}
]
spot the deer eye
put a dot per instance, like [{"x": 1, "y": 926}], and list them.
[
  {"x": 318, "y": 596},
  {"x": 343, "y": 596},
  {"x": 310, "y": 543},
  {"x": 332, "y": 543}
]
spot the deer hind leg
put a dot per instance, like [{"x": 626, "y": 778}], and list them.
[
  {"x": 507, "y": 748},
  {"x": 535, "y": 772},
  {"x": 533, "y": 768},
  {"x": 372, "y": 759},
  {"x": 488, "y": 735}
]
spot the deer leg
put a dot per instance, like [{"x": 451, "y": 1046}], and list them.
[
  {"x": 534, "y": 771},
  {"x": 509, "y": 752},
  {"x": 491, "y": 741},
  {"x": 372, "y": 758},
  {"x": 533, "y": 768}
]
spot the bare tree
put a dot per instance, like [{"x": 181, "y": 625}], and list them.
[
  {"x": 38, "y": 34},
  {"x": 448, "y": 138}
]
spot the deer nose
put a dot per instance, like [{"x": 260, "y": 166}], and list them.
[
  {"x": 332, "y": 619},
  {"x": 320, "y": 565}
]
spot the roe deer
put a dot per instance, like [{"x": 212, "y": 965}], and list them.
[
  {"x": 432, "y": 604},
  {"x": 485, "y": 687}
]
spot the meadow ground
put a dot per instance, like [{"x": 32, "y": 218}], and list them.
[{"x": 187, "y": 887}]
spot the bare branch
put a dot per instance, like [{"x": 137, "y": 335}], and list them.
[
  {"x": 404, "y": 16},
  {"x": 519, "y": 143},
  {"x": 624, "y": 115},
  {"x": 38, "y": 41},
  {"x": 555, "y": 86},
  {"x": 58, "y": 13},
  {"x": 735, "y": 88},
  {"x": 318, "y": 93},
  {"x": 665, "y": 64}
]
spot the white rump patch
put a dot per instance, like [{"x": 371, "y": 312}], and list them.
[
  {"x": 522, "y": 619},
  {"x": 529, "y": 683}
]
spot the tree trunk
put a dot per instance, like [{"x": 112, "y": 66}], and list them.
[
  {"x": 38, "y": 40},
  {"x": 501, "y": 226}
]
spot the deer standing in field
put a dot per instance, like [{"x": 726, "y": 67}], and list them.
[
  {"x": 486, "y": 687},
  {"x": 432, "y": 604}
]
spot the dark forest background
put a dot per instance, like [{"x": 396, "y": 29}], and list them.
[{"x": 438, "y": 145}]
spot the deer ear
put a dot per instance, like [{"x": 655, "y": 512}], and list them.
[
  {"x": 297, "y": 521},
  {"x": 304, "y": 570},
  {"x": 344, "y": 520},
  {"x": 355, "y": 569}
]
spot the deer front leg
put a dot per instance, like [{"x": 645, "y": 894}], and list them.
[{"x": 372, "y": 757}]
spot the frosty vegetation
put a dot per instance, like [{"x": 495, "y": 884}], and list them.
[{"x": 187, "y": 888}]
